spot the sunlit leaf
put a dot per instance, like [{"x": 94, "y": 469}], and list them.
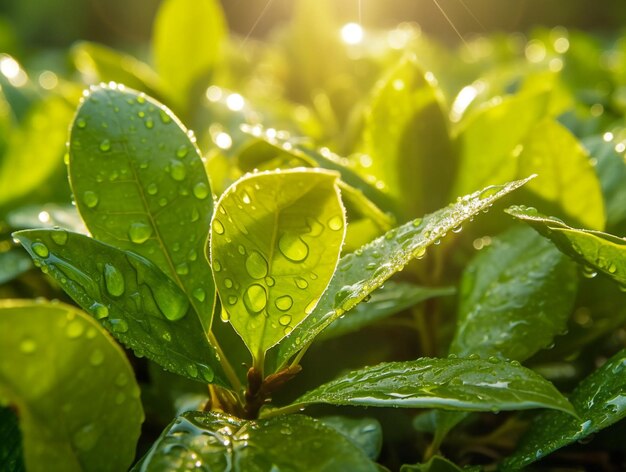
[
  {"x": 55, "y": 363},
  {"x": 565, "y": 177},
  {"x": 221, "y": 442},
  {"x": 140, "y": 185},
  {"x": 130, "y": 297},
  {"x": 405, "y": 134},
  {"x": 187, "y": 39},
  {"x": 363, "y": 271},
  {"x": 600, "y": 400},
  {"x": 35, "y": 150},
  {"x": 599, "y": 251},
  {"x": 392, "y": 298},
  {"x": 268, "y": 283},
  {"x": 516, "y": 295},
  {"x": 453, "y": 384}
]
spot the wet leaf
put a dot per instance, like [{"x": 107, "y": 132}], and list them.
[
  {"x": 599, "y": 251},
  {"x": 406, "y": 136},
  {"x": 392, "y": 298},
  {"x": 221, "y": 442},
  {"x": 140, "y": 185},
  {"x": 365, "y": 433},
  {"x": 600, "y": 400},
  {"x": 55, "y": 361},
  {"x": 275, "y": 242},
  {"x": 516, "y": 296},
  {"x": 451, "y": 384},
  {"x": 363, "y": 271},
  {"x": 565, "y": 177},
  {"x": 187, "y": 39},
  {"x": 130, "y": 297}
]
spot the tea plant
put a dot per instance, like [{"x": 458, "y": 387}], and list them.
[{"x": 262, "y": 285}]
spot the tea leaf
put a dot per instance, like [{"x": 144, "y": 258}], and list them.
[
  {"x": 140, "y": 185},
  {"x": 451, "y": 384},
  {"x": 221, "y": 442},
  {"x": 269, "y": 282},
  {"x": 55, "y": 361},
  {"x": 130, "y": 297}
]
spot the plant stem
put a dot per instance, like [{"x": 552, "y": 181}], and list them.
[
  {"x": 228, "y": 369},
  {"x": 283, "y": 410}
]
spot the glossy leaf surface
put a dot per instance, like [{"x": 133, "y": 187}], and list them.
[
  {"x": 365, "y": 433},
  {"x": 600, "y": 400},
  {"x": 275, "y": 242},
  {"x": 386, "y": 301},
  {"x": 140, "y": 185},
  {"x": 55, "y": 362},
  {"x": 565, "y": 177},
  {"x": 363, "y": 271},
  {"x": 130, "y": 297},
  {"x": 516, "y": 295},
  {"x": 599, "y": 251},
  {"x": 453, "y": 384},
  {"x": 220, "y": 442},
  {"x": 187, "y": 38}
]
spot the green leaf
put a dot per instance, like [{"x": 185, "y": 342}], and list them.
[
  {"x": 391, "y": 298},
  {"x": 140, "y": 185},
  {"x": 363, "y": 271},
  {"x": 597, "y": 250},
  {"x": 221, "y": 442},
  {"x": 451, "y": 384},
  {"x": 490, "y": 140},
  {"x": 405, "y": 133},
  {"x": 600, "y": 400},
  {"x": 366, "y": 433},
  {"x": 11, "y": 454},
  {"x": 74, "y": 390},
  {"x": 435, "y": 464},
  {"x": 516, "y": 295},
  {"x": 35, "y": 150},
  {"x": 565, "y": 176},
  {"x": 275, "y": 242},
  {"x": 13, "y": 263},
  {"x": 130, "y": 297},
  {"x": 187, "y": 40}
]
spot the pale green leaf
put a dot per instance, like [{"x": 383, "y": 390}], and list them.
[
  {"x": 220, "y": 442},
  {"x": 274, "y": 246},
  {"x": 600, "y": 400},
  {"x": 515, "y": 297},
  {"x": 363, "y": 271},
  {"x": 599, "y": 251},
  {"x": 140, "y": 185},
  {"x": 451, "y": 384},
  {"x": 130, "y": 297},
  {"x": 73, "y": 388}
]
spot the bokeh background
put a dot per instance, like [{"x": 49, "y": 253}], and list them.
[{"x": 127, "y": 24}]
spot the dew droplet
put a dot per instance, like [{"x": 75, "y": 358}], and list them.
[
  {"x": 139, "y": 233},
  {"x": 335, "y": 223},
  {"x": 218, "y": 227},
  {"x": 152, "y": 189},
  {"x": 100, "y": 311},
  {"x": 285, "y": 320},
  {"x": 293, "y": 247},
  {"x": 232, "y": 300},
  {"x": 245, "y": 197},
  {"x": 182, "y": 268},
  {"x": 149, "y": 123},
  {"x": 81, "y": 123},
  {"x": 182, "y": 151},
  {"x": 199, "y": 294},
  {"x": 119, "y": 325},
  {"x": 96, "y": 358},
  {"x": 165, "y": 118},
  {"x": 255, "y": 298},
  {"x": 301, "y": 283},
  {"x": 284, "y": 303},
  {"x": 59, "y": 236},
  {"x": 217, "y": 266},
  {"x": 228, "y": 283},
  {"x": 269, "y": 281},
  {"x": 201, "y": 190},
  {"x": 40, "y": 249},
  {"x": 172, "y": 303},
  {"x": 113, "y": 280},
  {"x": 90, "y": 199},
  {"x": 192, "y": 370},
  {"x": 74, "y": 329},
  {"x": 256, "y": 265},
  {"x": 178, "y": 171},
  {"x": 105, "y": 145},
  {"x": 28, "y": 346}
]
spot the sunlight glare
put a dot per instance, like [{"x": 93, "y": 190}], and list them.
[{"x": 352, "y": 33}]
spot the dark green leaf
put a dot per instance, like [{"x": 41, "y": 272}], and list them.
[
  {"x": 220, "y": 442},
  {"x": 435, "y": 464},
  {"x": 130, "y": 297},
  {"x": 600, "y": 400},
  {"x": 140, "y": 185},
  {"x": 365, "y": 433},
  {"x": 391, "y": 298},
  {"x": 600, "y": 251},
  {"x": 187, "y": 39},
  {"x": 73, "y": 388},
  {"x": 270, "y": 281},
  {"x": 360, "y": 273},
  {"x": 452, "y": 384},
  {"x": 11, "y": 454},
  {"x": 516, "y": 295}
]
